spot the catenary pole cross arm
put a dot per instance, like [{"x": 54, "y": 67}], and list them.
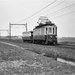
[{"x": 18, "y": 24}]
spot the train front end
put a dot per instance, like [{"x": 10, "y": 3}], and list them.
[{"x": 51, "y": 34}]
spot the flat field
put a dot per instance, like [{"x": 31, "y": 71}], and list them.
[
  {"x": 50, "y": 51},
  {"x": 17, "y": 58}
]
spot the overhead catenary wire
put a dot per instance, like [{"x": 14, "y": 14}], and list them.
[
  {"x": 37, "y": 11},
  {"x": 47, "y": 10},
  {"x": 54, "y": 6},
  {"x": 63, "y": 15},
  {"x": 60, "y": 10},
  {"x": 57, "y": 11}
]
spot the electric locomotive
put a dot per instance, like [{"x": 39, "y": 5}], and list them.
[{"x": 44, "y": 33}]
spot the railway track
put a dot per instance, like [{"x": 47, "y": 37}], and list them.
[
  {"x": 61, "y": 50},
  {"x": 60, "y": 45},
  {"x": 71, "y": 46}
]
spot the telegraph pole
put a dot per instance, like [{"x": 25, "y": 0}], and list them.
[
  {"x": 15, "y": 24},
  {"x": 26, "y": 27},
  {"x": 9, "y": 31}
]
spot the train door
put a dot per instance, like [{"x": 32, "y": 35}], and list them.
[
  {"x": 53, "y": 30},
  {"x": 31, "y": 37},
  {"x": 46, "y": 30},
  {"x": 46, "y": 36}
]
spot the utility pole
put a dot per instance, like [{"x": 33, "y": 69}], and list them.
[
  {"x": 15, "y": 24},
  {"x": 26, "y": 27},
  {"x": 9, "y": 31}
]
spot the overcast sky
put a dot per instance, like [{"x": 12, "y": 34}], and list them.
[{"x": 15, "y": 11}]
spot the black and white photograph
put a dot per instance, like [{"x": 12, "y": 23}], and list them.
[{"x": 37, "y": 37}]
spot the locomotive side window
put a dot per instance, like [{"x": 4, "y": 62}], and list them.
[{"x": 50, "y": 30}]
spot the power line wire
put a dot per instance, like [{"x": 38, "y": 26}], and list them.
[
  {"x": 61, "y": 9},
  {"x": 58, "y": 10},
  {"x": 54, "y": 6},
  {"x": 63, "y": 14},
  {"x": 38, "y": 11},
  {"x": 48, "y": 10}
]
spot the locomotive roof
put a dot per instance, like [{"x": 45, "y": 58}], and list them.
[{"x": 42, "y": 25}]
